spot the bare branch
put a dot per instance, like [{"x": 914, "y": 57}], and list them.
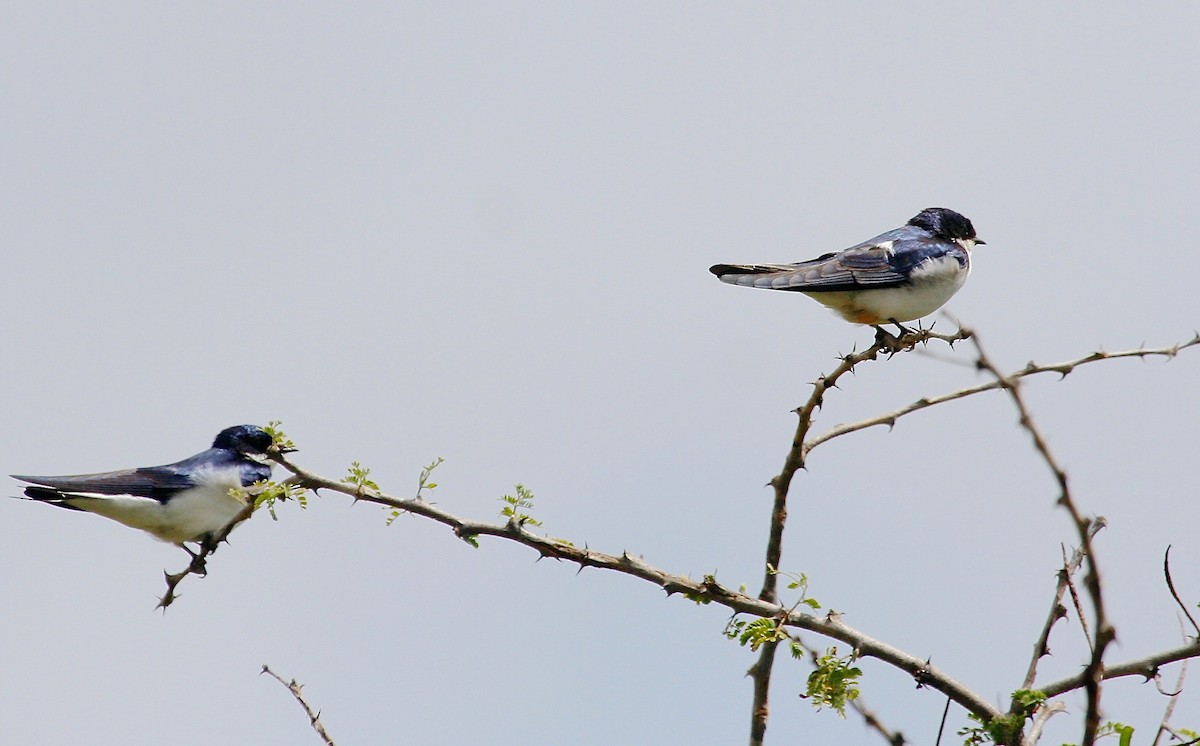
[
  {"x": 1079, "y": 612},
  {"x": 1164, "y": 724},
  {"x": 314, "y": 718},
  {"x": 1146, "y": 667},
  {"x": 1171, "y": 587},
  {"x": 893, "y": 737},
  {"x": 1044, "y": 713},
  {"x": 1063, "y": 369},
  {"x": 1105, "y": 634},
  {"x": 942, "y": 725},
  {"x": 1057, "y": 610}
]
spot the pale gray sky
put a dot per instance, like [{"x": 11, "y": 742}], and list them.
[{"x": 483, "y": 232}]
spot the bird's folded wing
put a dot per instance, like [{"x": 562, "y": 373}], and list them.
[
  {"x": 157, "y": 482},
  {"x": 853, "y": 269}
]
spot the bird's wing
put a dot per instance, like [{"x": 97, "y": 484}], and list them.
[
  {"x": 884, "y": 261},
  {"x": 155, "y": 482}
]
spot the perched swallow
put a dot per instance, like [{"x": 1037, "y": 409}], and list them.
[
  {"x": 897, "y": 276},
  {"x": 189, "y": 500}
]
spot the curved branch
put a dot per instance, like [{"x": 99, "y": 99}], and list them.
[
  {"x": 705, "y": 590},
  {"x": 1174, "y": 594},
  {"x": 1044, "y": 713},
  {"x": 314, "y": 718}
]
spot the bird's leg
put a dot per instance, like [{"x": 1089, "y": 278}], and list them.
[{"x": 903, "y": 329}]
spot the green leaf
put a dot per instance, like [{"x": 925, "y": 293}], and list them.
[
  {"x": 517, "y": 505},
  {"x": 279, "y": 439},
  {"x": 358, "y": 478},
  {"x": 834, "y": 682}
]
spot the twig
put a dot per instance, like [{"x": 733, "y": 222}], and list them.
[
  {"x": 314, "y": 718},
  {"x": 1057, "y": 610},
  {"x": 1078, "y": 604},
  {"x": 1105, "y": 634},
  {"x": 1171, "y": 587},
  {"x": 1063, "y": 369},
  {"x": 1176, "y": 735},
  {"x": 1164, "y": 724},
  {"x": 893, "y": 737},
  {"x": 942, "y": 725},
  {"x": 198, "y": 565},
  {"x": 1045, "y": 712}
]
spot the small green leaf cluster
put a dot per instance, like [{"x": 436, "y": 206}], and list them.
[
  {"x": 280, "y": 440},
  {"x": 799, "y": 581},
  {"x": 267, "y": 493},
  {"x": 1006, "y": 728},
  {"x": 515, "y": 507},
  {"x": 834, "y": 681},
  {"x": 423, "y": 483},
  {"x": 359, "y": 478},
  {"x": 755, "y": 633}
]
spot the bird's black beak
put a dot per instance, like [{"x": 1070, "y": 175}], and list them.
[
  {"x": 980, "y": 242},
  {"x": 281, "y": 450}
]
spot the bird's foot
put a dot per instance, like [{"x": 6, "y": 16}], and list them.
[
  {"x": 198, "y": 565},
  {"x": 887, "y": 341}
]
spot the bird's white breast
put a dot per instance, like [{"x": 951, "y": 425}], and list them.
[{"x": 932, "y": 283}]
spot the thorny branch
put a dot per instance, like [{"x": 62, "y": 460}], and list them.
[
  {"x": 760, "y": 672},
  {"x": 1147, "y": 668},
  {"x": 766, "y": 605},
  {"x": 314, "y": 718},
  {"x": 198, "y": 565},
  {"x": 1063, "y": 369}
]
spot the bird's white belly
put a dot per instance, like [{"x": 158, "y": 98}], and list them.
[{"x": 932, "y": 284}]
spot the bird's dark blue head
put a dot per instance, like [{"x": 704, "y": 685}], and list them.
[
  {"x": 248, "y": 440},
  {"x": 946, "y": 224}
]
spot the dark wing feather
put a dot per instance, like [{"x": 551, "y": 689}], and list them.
[
  {"x": 884, "y": 261},
  {"x": 157, "y": 482}
]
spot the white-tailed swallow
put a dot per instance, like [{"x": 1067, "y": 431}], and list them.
[
  {"x": 189, "y": 500},
  {"x": 897, "y": 276}
]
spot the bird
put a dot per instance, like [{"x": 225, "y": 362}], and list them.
[
  {"x": 188, "y": 501},
  {"x": 901, "y": 275}
]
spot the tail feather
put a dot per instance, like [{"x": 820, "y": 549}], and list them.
[
  {"x": 743, "y": 269},
  {"x": 49, "y": 496}
]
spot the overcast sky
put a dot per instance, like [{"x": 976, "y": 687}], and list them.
[{"x": 482, "y": 232}]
